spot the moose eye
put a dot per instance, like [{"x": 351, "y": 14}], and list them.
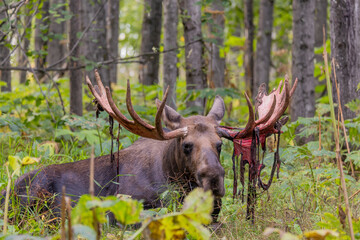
[
  {"x": 218, "y": 147},
  {"x": 187, "y": 147}
]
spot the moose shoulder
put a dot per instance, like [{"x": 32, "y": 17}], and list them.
[{"x": 186, "y": 154}]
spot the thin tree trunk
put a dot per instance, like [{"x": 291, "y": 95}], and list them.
[
  {"x": 41, "y": 36},
  {"x": 320, "y": 23},
  {"x": 303, "y": 100},
  {"x": 113, "y": 12},
  {"x": 5, "y": 75},
  {"x": 345, "y": 49},
  {"x": 217, "y": 60},
  {"x": 263, "y": 48},
  {"x": 195, "y": 73},
  {"x": 170, "y": 41},
  {"x": 57, "y": 30},
  {"x": 249, "y": 51},
  {"x": 150, "y": 41},
  {"x": 76, "y": 106},
  {"x": 94, "y": 44},
  {"x": 25, "y": 44}
]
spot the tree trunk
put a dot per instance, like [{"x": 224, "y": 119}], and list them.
[
  {"x": 57, "y": 31},
  {"x": 113, "y": 12},
  {"x": 345, "y": 49},
  {"x": 5, "y": 75},
  {"x": 25, "y": 45},
  {"x": 150, "y": 42},
  {"x": 41, "y": 36},
  {"x": 263, "y": 48},
  {"x": 320, "y": 23},
  {"x": 170, "y": 41},
  {"x": 303, "y": 100},
  {"x": 195, "y": 74},
  {"x": 76, "y": 77},
  {"x": 249, "y": 51},
  {"x": 94, "y": 44},
  {"x": 217, "y": 60}
]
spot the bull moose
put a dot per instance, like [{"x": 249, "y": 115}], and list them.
[{"x": 185, "y": 153}]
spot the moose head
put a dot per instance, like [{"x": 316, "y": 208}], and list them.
[{"x": 190, "y": 147}]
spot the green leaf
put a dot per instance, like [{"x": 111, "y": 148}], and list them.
[
  {"x": 127, "y": 211},
  {"x": 84, "y": 231},
  {"x": 82, "y": 214}
]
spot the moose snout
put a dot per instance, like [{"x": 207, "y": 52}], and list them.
[{"x": 212, "y": 179}]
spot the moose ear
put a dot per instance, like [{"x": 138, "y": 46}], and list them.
[
  {"x": 217, "y": 111},
  {"x": 170, "y": 117}
]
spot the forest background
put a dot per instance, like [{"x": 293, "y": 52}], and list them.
[{"x": 199, "y": 49}]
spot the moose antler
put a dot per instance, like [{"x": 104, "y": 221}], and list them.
[
  {"x": 269, "y": 109},
  {"x": 137, "y": 126}
]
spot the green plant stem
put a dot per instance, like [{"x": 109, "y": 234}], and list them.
[
  {"x": 101, "y": 150},
  {"x": 336, "y": 135},
  {"x": 7, "y": 200},
  {"x": 123, "y": 232}
]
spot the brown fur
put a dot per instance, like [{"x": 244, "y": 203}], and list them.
[{"x": 146, "y": 168}]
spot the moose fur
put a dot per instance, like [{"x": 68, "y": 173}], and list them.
[{"x": 146, "y": 168}]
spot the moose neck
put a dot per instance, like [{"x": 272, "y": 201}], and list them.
[{"x": 173, "y": 163}]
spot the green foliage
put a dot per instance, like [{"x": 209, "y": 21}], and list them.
[{"x": 126, "y": 211}]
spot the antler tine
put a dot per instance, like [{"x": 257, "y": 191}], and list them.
[
  {"x": 251, "y": 121},
  {"x": 293, "y": 87},
  {"x": 268, "y": 114},
  {"x": 180, "y": 132},
  {"x": 281, "y": 106},
  {"x": 132, "y": 112},
  {"x": 126, "y": 123},
  {"x": 159, "y": 112},
  {"x": 100, "y": 97},
  {"x": 99, "y": 83}
]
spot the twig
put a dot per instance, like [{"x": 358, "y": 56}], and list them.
[
  {"x": 68, "y": 210},
  {"x": 336, "y": 134},
  {"x": 22, "y": 36},
  {"x": 12, "y": 5},
  {"x": 58, "y": 91},
  {"x": 319, "y": 132},
  {"x": 342, "y": 119},
  {"x": 7, "y": 200},
  {"x": 91, "y": 183},
  {"x": 107, "y": 62},
  {"x": 354, "y": 194},
  {"x": 52, "y": 69},
  {"x": 63, "y": 214},
  {"x": 91, "y": 192}
]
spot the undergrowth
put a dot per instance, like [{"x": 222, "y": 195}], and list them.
[{"x": 304, "y": 198}]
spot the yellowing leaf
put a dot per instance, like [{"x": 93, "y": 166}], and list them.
[
  {"x": 198, "y": 205},
  {"x": 283, "y": 235},
  {"x": 320, "y": 234},
  {"x": 29, "y": 160},
  {"x": 197, "y": 208},
  {"x": 14, "y": 164}
]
